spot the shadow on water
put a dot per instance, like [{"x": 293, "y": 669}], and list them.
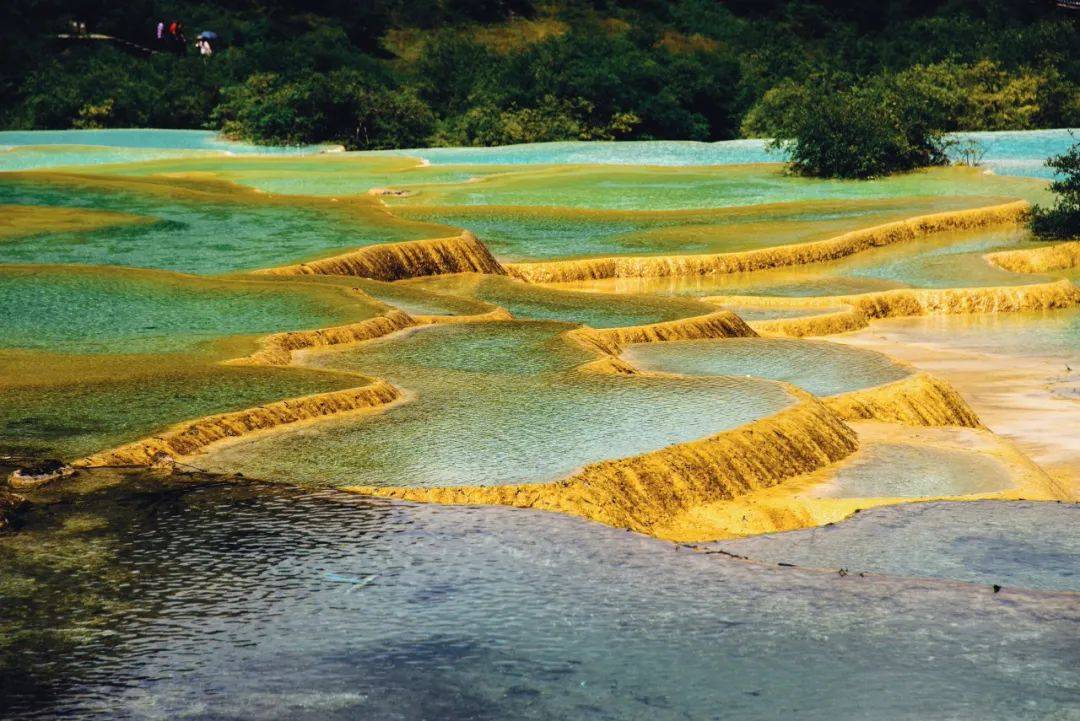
[{"x": 143, "y": 596}]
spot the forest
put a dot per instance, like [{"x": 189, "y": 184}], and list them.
[{"x": 401, "y": 73}]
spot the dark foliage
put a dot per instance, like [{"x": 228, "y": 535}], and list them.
[
  {"x": 1063, "y": 219},
  {"x": 381, "y": 73}
]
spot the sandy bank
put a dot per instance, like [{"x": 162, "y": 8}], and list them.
[{"x": 1014, "y": 396}]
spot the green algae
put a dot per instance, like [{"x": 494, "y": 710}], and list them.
[
  {"x": 71, "y": 406},
  {"x": 537, "y": 233},
  {"x": 658, "y": 188},
  {"x": 194, "y": 226},
  {"x": 535, "y": 302},
  {"x": 17, "y": 220},
  {"x": 106, "y": 310}
]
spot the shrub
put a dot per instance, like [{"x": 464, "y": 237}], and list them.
[
  {"x": 835, "y": 130},
  {"x": 1063, "y": 219},
  {"x": 343, "y": 107}
]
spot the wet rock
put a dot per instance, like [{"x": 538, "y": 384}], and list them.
[{"x": 39, "y": 473}]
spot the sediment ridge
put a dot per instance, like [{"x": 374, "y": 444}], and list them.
[
  {"x": 764, "y": 258},
  {"x": 840, "y": 321},
  {"x": 277, "y": 349},
  {"x": 190, "y": 437},
  {"x": 611, "y": 341},
  {"x": 409, "y": 259},
  {"x": 648, "y": 490},
  {"x": 918, "y": 400},
  {"x": 904, "y": 302},
  {"x": 1038, "y": 260}
]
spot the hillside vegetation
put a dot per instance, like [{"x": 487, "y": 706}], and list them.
[{"x": 395, "y": 73}]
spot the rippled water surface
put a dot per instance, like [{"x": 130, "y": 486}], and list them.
[
  {"x": 76, "y": 311},
  {"x": 31, "y": 149},
  {"x": 495, "y": 403},
  {"x": 821, "y": 367},
  {"x": 916, "y": 471},
  {"x": 193, "y": 232},
  {"x": 1016, "y": 543},
  {"x": 1049, "y": 334},
  {"x": 218, "y": 602}
]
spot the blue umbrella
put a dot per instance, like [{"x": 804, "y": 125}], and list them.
[{"x": 208, "y": 35}]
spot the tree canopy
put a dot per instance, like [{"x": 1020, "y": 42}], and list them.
[{"x": 386, "y": 73}]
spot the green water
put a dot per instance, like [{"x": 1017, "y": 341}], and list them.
[
  {"x": 529, "y": 234},
  {"x": 70, "y": 310},
  {"x": 334, "y": 174},
  {"x": 539, "y": 303},
  {"x": 495, "y": 403},
  {"x": 821, "y": 367},
  {"x": 102, "y": 403},
  {"x": 194, "y": 232},
  {"x": 944, "y": 260},
  {"x": 627, "y": 188}
]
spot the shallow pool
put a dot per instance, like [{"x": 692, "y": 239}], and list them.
[
  {"x": 495, "y": 403},
  {"x": 818, "y": 366}
]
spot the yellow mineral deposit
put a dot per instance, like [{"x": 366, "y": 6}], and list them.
[
  {"x": 904, "y": 302},
  {"x": 763, "y": 476},
  {"x": 411, "y": 259},
  {"x": 189, "y": 438},
  {"x": 1038, "y": 260},
  {"x": 765, "y": 258},
  {"x": 18, "y": 220}
]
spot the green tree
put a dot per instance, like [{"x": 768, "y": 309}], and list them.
[
  {"x": 838, "y": 130},
  {"x": 1063, "y": 219}
]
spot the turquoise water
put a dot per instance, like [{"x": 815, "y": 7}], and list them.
[
  {"x": 189, "y": 235},
  {"x": 1023, "y": 152},
  {"x": 821, "y": 367},
  {"x": 59, "y": 310},
  {"x": 497, "y": 403},
  {"x": 1007, "y": 153},
  {"x": 1014, "y": 544},
  {"x": 651, "y": 152},
  {"x": 221, "y": 602},
  {"x": 35, "y": 149},
  {"x": 534, "y": 302}
]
